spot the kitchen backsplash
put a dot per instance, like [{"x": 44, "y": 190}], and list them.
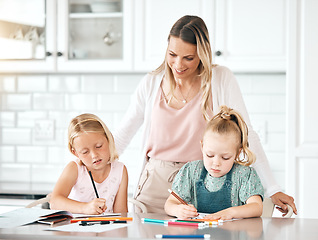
[{"x": 35, "y": 111}]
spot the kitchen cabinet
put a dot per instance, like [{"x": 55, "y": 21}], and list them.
[
  {"x": 153, "y": 21},
  {"x": 26, "y": 34},
  {"x": 78, "y": 36},
  {"x": 250, "y": 35},
  {"x": 246, "y": 35}
]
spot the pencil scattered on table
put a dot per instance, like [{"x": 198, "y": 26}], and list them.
[
  {"x": 90, "y": 223},
  {"x": 205, "y": 236},
  {"x": 91, "y": 219},
  {"x": 208, "y": 221},
  {"x": 175, "y": 222},
  {"x": 188, "y": 224},
  {"x": 150, "y": 220}
]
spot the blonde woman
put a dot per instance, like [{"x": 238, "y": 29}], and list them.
[
  {"x": 96, "y": 167},
  {"x": 221, "y": 184},
  {"x": 174, "y": 104}
]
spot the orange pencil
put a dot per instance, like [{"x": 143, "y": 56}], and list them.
[
  {"x": 211, "y": 221},
  {"x": 177, "y": 197}
]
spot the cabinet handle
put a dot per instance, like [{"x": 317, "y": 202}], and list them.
[
  {"x": 48, "y": 54},
  {"x": 59, "y": 54},
  {"x": 218, "y": 53}
]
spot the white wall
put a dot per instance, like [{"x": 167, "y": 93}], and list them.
[{"x": 29, "y": 165}]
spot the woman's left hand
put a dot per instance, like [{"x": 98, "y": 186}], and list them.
[{"x": 281, "y": 199}]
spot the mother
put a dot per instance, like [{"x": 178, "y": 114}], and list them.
[{"x": 174, "y": 103}]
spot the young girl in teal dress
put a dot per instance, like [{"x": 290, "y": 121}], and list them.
[{"x": 223, "y": 184}]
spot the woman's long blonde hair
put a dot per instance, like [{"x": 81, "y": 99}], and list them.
[
  {"x": 229, "y": 121},
  {"x": 90, "y": 123},
  {"x": 192, "y": 29}
]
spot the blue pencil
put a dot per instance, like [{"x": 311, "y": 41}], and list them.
[
  {"x": 205, "y": 236},
  {"x": 150, "y": 220}
]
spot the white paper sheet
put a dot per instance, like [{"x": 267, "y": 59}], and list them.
[{"x": 22, "y": 216}]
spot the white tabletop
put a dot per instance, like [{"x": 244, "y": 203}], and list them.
[{"x": 253, "y": 228}]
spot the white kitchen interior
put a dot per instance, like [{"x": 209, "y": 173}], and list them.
[{"x": 61, "y": 58}]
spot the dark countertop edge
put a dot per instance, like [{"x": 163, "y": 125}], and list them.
[{"x": 34, "y": 196}]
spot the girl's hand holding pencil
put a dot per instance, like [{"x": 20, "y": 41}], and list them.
[
  {"x": 183, "y": 209},
  {"x": 99, "y": 204},
  {"x": 186, "y": 211},
  {"x": 96, "y": 206}
]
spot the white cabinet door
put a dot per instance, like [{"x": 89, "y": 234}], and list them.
[
  {"x": 302, "y": 111},
  {"x": 61, "y": 53},
  {"x": 153, "y": 21},
  {"x": 82, "y": 44},
  {"x": 250, "y": 35},
  {"x": 27, "y": 36}
]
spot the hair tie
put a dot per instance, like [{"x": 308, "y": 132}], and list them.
[{"x": 225, "y": 116}]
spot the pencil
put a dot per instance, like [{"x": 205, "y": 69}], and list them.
[
  {"x": 182, "y": 236},
  {"x": 150, "y": 220},
  {"x": 90, "y": 174},
  {"x": 189, "y": 224},
  {"x": 91, "y": 219},
  {"x": 177, "y": 197}
]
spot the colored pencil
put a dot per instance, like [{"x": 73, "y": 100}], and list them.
[
  {"x": 177, "y": 197},
  {"x": 189, "y": 224},
  {"x": 183, "y": 236},
  {"x": 202, "y": 220},
  {"x": 150, "y": 220}
]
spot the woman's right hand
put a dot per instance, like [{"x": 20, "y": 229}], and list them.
[
  {"x": 186, "y": 211},
  {"x": 96, "y": 206}
]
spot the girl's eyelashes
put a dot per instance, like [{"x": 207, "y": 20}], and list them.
[{"x": 211, "y": 156}]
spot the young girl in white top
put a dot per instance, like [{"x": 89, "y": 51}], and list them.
[
  {"x": 92, "y": 143},
  {"x": 222, "y": 184}
]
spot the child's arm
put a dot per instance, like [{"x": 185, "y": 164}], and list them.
[
  {"x": 59, "y": 199},
  {"x": 252, "y": 208},
  {"x": 120, "y": 203},
  {"x": 174, "y": 208}
]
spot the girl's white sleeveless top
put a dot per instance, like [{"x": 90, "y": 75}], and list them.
[{"x": 83, "y": 190}]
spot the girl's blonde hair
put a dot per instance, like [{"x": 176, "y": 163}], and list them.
[
  {"x": 90, "y": 123},
  {"x": 192, "y": 29},
  {"x": 230, "y": 121}
]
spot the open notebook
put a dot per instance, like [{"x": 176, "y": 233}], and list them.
[{"x": 24, "y": 216}]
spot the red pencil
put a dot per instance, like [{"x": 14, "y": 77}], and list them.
[
  {"x": 177, "y": 197},
  {"x": 193, "y": 224}
]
